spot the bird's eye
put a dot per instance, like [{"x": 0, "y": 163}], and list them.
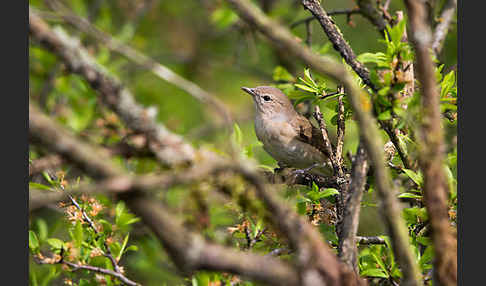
[{"x": 266, "y": 98}]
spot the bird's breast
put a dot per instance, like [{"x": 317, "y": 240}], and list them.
[{"x": 279, "y": 139}]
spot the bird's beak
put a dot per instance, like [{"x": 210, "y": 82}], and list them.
[{"x": 248, "y": 90}]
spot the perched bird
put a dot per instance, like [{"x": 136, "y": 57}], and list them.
[{"x": 287, "y": 136}]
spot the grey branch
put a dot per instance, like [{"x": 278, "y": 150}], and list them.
[
  {"x": 370, "y": 240},
  {"x": 340, "y": 44},
  {"x": 336, "y": 12},
  {"x": 76, "y": 267},
  {"x": 367, "y": 126},
  {"x": 143, "y": 60},
  {"x": 341, "y": 128},
  {"x": 189, "y": 251},
  {"x": 347, "y": 227},
  {"x": 442, "y": 28},
  {"x": 431, "y": 157},
  {"x": 41, "y": 164},
  {"x": 169, "y": 148},
  {"x": 369, "y": 10},
  {"x": 335, "y": 36}
]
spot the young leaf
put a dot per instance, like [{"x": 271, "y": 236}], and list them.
[
  {"x": 33, "y": 241},
  {"x": 42, "y": 229},
  {"x": 309, "y": 78},
  {"x": 40, "y": 186},
  {"x": 237, "y": 136},
  {"x": 416, "y": 177},
  {"x": 410, "y": 196},
  {"x": 374, "y": 273},
  {"x": 386, "y": 115},
  {"x": 124, "y": 244},
  {"x": 55, "y": 243},
  {"x": 306, "y": 88}
]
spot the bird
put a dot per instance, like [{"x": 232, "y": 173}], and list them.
[{"x": 290, "y": 138}]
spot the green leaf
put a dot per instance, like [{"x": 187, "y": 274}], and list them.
[
  {"x": 397, "y": 31},
  {"x": 131, "y": 248},
  {"x": 452, "y": 182},
  {"x": 237, "y": 136},
  {"x": 78, "y": 234},
  {"x": 40, "y": 186},
  {"x": 410, "y": 196},
  {"x": 124, "y": 244},
  {"x": 42, "y": 229},
  {"x": 424, "y": 240},
  {"x": 223, "y": 17},
  {"x": 329, "y": 232},
  {"x": 48, "y": 178},
  {"x": 374, "y": 273},
  {"x": 265, "y": 167},
  {"x": 416, "y": 177},
  {"x": 119, "y": 210},
  {"x": 386, "y": 115},
  {"x": 33, "y": 241},
  {"x": 306, "y": 88},
  {"x": 378, "y": 58},
  {"x": 309, "y": 78},
  {"x": 447, "y": 83},
  {"x": 302, "y": 207},
  {"x": 329, "y": 192},
  {"x": 115, "y": 248},
  {"x": 55, "y": 243}
]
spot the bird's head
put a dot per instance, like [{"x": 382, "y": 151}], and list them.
[{"x": 270, "y": 100}]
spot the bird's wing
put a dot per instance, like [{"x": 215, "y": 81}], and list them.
[{"x": 308, "y": 133}]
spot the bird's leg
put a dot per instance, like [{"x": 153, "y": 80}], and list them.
[{"x": 306, "y": 170}]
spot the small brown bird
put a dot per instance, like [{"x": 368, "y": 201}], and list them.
[{"x": 287, "y": 136}]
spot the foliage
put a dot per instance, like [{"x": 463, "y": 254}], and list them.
[{"x": 207, "y": 43}]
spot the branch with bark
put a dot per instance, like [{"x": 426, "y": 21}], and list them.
[
  {"x": 370, "y": 11},
  {"x": 189, "y": 251},
  {"x": 337, "y": 40},
  {"x": 445, "y": 19},
  {"x": 142, "y": 60},
  {"x": 431, "y": 159},
  {"x": 169, "y": 148},
  {"x": 367, "y": 127},
  {"x": 340, "y": 45},
  {"x": 75, "y": 267},
  {"x": 347, "y": 227}
]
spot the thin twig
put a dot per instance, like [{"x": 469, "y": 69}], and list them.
[
  {"x": 189, "y": 251},
  {"x": 369, "y": 10},
  {"x": 338, "y": 41},
  {"x": 367, "y": 127},
  {"x": 169, "y": 148},
  {"x": 76, "y": 267},
  {"x": 346, "y": 12},
  {"x": 91, "y": 224},
  {"x": 308, "y": 29},
  {"x": 325, "y": 136},
  {"x": 370, "y": 240},
  {"x": 340, "y": 129},
  {"x": 347, "y": 225}
]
